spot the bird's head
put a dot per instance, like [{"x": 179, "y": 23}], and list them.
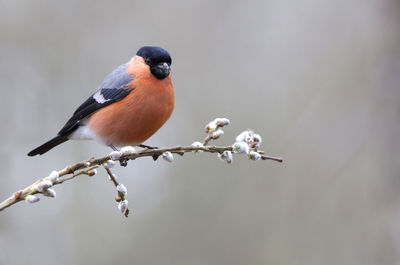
[{"x": 157, "y": 59}]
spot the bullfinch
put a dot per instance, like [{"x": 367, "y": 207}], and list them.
[{"x": 129, "y": 106}]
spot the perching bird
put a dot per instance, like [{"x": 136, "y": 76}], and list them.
[{"x": 130, "y": 105}]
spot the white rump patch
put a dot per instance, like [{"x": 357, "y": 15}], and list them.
[{"x": 83, "y": 133}]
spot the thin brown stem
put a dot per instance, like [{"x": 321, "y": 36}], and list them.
[
  {"x": 207, "y": 139},
  {"x": 121, "y": 196},
  {"x": 84, "y": 167}
]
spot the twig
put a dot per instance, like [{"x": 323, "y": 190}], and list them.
[
  {"x": 93, "y": 163},
  {"x": 246, "y": 143},
  {"x": 121, "y": 195},
  {"x": 207, "y": 139}
]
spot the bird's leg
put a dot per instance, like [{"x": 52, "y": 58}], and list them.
[
  {"x": 113, "y": 147},
  {"x": 123, "y": 161}
]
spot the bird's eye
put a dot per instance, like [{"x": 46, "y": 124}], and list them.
[{"x": 147, "y": 61}]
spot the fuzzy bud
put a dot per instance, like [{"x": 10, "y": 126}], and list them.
[
  {"x": 253, "y": 155},
  {"x": 87, "y": 164},
  {"x": 226, "y": 156},
  {"x": 221, "y": 122},
  {"x": 240, "y": 147},
  {"x": 167, "y": 156},
  {"x": 217, "y": 134},
  {"x": 53, "y": 176},
  {"x": 50, "y": 193},
  {"x": 109, "y": 164},
  {"x": 128, "y": 150},
  {"x": 17, "y": 194},
  {"x": 92, "y": 172},
  {"x": 44, "y": 185},
  {"x": 246, "y": 136},
  {"x": 257, "y": 141},
  {"x": 122, "y": 189},
  {"x": 211, "y": 127},
  {"x": 257, "y": 138},
  {"x": 115, "y": 155},
  {"x": 197, "y": 144},
  {"x": 123, "y": 206},
  {"x": 32, "y": 199}
]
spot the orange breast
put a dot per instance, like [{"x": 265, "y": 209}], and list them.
[{"x": 140, "y": 114}]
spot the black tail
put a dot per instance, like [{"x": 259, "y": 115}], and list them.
[{"x": 48, "y": 145}]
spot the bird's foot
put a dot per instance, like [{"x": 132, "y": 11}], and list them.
[
  {"x": 147, "y": 146},
  {"x": 155, "y": 156},
  {"x": 123, "y": 162}
]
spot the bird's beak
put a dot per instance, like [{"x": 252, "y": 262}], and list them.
[{"x": 163, "y": 68}]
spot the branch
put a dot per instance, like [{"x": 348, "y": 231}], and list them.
[{"x": 246, "y": 143}]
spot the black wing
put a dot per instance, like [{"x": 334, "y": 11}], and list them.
[{"x": 112, "y": 89}]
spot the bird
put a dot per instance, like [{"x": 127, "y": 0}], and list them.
[{"x": 128, "y": 107}]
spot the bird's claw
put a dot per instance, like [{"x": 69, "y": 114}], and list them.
[
  {"x": 123, "y": 162},
  {"x": 155, "y": 156}
]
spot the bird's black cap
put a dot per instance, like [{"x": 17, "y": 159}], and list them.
[{"x": 154, "y": 55}]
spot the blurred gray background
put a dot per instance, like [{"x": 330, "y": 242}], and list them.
[{"x": 319, "y": 80}]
